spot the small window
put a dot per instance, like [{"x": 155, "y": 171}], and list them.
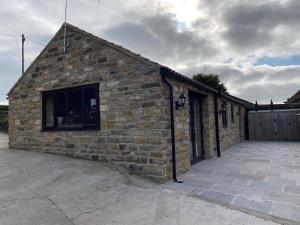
[
  {"x": 232, "y": 113},
  {"x": 71, "y": 109},
  {"x": 224, "y": 114}
]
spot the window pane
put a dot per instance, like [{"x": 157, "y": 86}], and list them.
[
  {"x": 61, "y": 108},
  {"x": 73, "y": 109},
  {"x": 90, "y": 105},
  {"x": 49, "y": 111},
  {"x": 224, "y": 114}
]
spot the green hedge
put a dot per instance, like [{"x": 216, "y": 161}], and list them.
[
  {"x": 4, "y": 108},
  {"x": 3, "y": 117}
]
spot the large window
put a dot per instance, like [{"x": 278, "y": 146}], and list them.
[{"x": 72, "y": 108}]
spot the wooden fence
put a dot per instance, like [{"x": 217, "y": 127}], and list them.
[{"x": 274, "y": 125}]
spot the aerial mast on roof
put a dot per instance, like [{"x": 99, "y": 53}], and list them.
[
  {"x": 65, "y": 28},
  {"x": 65, "y": 25}
]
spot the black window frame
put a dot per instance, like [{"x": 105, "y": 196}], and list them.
[
  {"x": 232, "y": 113},
  {"x": 224, "y": 114},
  {"x": 85, "y": 126}
]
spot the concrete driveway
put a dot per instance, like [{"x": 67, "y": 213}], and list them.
[
  {"x": 259, "y": 176},
  {"x": 42, "y": 189}
]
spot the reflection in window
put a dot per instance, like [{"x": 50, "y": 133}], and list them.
[
  {"x": 49, "y": 112},
  {"x": 224, "y": 114},
  {"x": 72, "y": 108},
  {"x": 90, "y": 106}
]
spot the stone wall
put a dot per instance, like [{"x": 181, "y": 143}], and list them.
[
  {"x": 134, "y": 117},
  {"x": 3, "y": 118},
  {"x": 134, "y": 109},
  {"x": 233, "y": 134},
  {"x": 182, "y": 126},
  {"x": 235, "y": 131}
]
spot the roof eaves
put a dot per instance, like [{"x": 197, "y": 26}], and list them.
[
  {"x": 34, "y": 61},
  {"x": 236, "y": 99},
  {"x": 175, "y": 75},
  {"x": 119, "y": 48}
]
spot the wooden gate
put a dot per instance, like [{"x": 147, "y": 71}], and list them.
[{"x": 276, "y": 125}]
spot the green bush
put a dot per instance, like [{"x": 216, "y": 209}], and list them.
[
  {"x": 4, "y": 108},
  {"x": 3, "y": 117}
]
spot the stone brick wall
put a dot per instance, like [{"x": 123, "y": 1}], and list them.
[
  {"x": 230, "y": 136},
  {"x": 3, "y": 118},
  {"x": 134, "y": 117},
  {"x": 134, "y": 109},
  {"x": 234, "y": 133},
  {"x": 182, "y": 127}
]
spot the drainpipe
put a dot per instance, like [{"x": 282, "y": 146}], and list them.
[
  {"x": 172, "y": 124},
  {"x": 217, "y": 125}
]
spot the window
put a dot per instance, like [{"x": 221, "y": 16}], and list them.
[
  {"x": 224, "y": 114},
  {"x": 72, "y": 108},
  {"x": 232, "y": 113}
]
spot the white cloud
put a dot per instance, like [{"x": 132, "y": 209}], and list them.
[{"x": 191, "y": 36}]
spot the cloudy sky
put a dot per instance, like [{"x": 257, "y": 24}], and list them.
[{"x": 254, "y": 45}]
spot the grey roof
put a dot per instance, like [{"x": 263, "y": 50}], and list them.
[{"x": 295, "y": 98}]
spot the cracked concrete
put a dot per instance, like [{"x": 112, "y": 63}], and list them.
[{"x": 42, "y": 189}]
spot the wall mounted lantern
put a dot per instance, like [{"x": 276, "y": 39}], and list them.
[{"x": 181, "y": 101}]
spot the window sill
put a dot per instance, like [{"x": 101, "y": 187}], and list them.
[{"x": 71, "y": 129}]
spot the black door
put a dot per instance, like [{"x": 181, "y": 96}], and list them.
[{"x": 196, "y": 119}]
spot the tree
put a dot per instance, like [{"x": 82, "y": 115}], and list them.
[{"x": 211, "y": 80}]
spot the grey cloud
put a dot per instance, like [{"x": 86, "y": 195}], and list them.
[
  {"x": 254, "y": 83},
  {"x": 253, "y": 23},
  {"x": 279, "y": 93},
  {"x": 158, "y": 37},
  {"x": 237, "y": 30}
]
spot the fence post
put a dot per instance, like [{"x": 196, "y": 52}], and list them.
[{"x": 272, "y": 105}]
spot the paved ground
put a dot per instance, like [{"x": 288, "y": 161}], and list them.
[
  {"x": 261, "y": 176},
  {"x": 3, "y": 141},
  {"x": 42, "y": 189}
]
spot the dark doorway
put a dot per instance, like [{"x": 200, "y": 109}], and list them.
[{"x": 196, "y": 125}]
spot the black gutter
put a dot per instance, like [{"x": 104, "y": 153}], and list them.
[
  {"x": 163, "y": 73},
  {"x": 246, "y": 122},
  {"x": 174, "y": 75},
  {"x": 217, "y": 125}
]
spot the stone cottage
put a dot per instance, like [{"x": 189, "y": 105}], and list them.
[{"x": 102, "y": 102}]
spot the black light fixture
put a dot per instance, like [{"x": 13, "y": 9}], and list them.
[{"x": 181, "y": 101}]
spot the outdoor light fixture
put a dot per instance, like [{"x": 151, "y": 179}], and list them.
[{"x": 181, "y": 101}]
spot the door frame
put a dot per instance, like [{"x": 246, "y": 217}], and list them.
[{"x": 192, "y": 96}]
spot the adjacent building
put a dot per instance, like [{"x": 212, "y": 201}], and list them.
[
  {"x": 102, "y": 102},
  {"x": 295, "y": 99}
]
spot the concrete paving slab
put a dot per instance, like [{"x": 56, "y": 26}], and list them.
[
  {"x": 292, "y": 189},
  {"x": 258, "y": 176},
  {"x": 286, "y": 211},
  {"x": 43, "y": 189}
]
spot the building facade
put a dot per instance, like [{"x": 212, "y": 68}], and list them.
[{"x": 102, "y": 102}]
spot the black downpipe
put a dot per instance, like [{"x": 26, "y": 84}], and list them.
[
  {"x": 172, "y": 126},
  {"x": 247, "y": 136},
  {"x": 217, "y": 125}
]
